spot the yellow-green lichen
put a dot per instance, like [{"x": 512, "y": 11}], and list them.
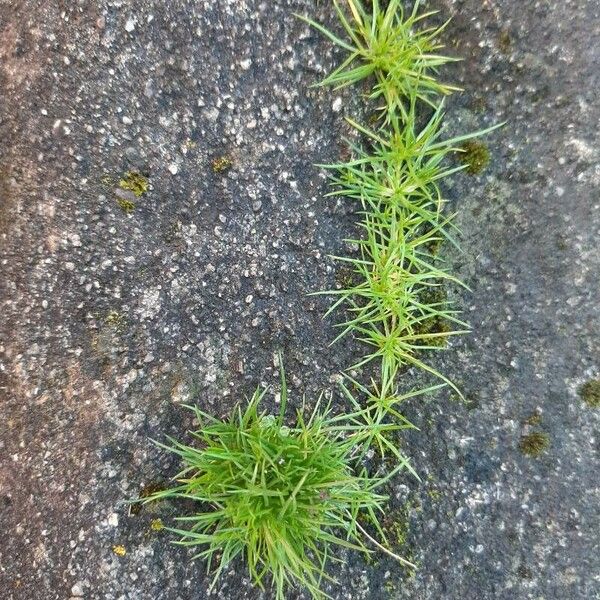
[
  {"x": 590, "y": 393},
  {"x": 221, "y": 163},
  {"x": 475, "y": 155},
  {"x": 534, "y": 443},
  {"x": 119, "y": 550},
  {"x": 134, "y": 182}
]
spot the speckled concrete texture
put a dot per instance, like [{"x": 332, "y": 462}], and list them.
[{"x": 117, "y": 307}]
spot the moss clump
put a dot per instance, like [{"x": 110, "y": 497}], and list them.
[
  {"x": 590, "y": 393},
  {"x": 533, "y": 419},
  {"x": 504, "y": 42},
  {"x": 134, "y": 182},
  {"x": 434, "y": 246},
  {"x": 436, "y": 298},
  {"x": 127, "y": 206},
  {"x": 221, "y": 163},
  {"x": 396, "y": 526},
  {"x": 443, "y": 327},
  {"x": 534, "y": 443},
  {"x": 475, "y": 155},
  {"x": 156, "y": 525},
  {"x": 115, "y": 320},
  {"x": 152, "y": 488}
]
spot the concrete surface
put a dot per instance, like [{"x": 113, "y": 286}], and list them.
[{"x": 111, "y": 318}]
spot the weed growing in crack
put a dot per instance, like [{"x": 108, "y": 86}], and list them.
[
  {"x": 394, "y": 176},
  {"x": 282, "y": 497}
]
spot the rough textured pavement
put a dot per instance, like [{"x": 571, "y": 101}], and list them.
[{"x": 116, "y": 308}]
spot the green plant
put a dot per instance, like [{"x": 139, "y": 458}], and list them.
[
  {"x": 281, "y": 497},
  {"x": 394, "y": 175},
  {"x": 395, "y": 180},
  {"x": 387, "y": 46}
]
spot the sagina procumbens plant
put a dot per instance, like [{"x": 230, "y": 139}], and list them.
[{"x": 280, "y": 497}]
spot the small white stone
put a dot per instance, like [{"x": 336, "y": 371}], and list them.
[
  {"x": 127, "y": 121},
  {"x": 173, "y": 168},
  {"x": 113, "y": 521},
  {"x": 248, "y": 298},
  {"x": 77, "y": 590},
  {"x": 130, "y": 25},
  {"x": 245, "y": 64},
  {"x": 337, "y": 104}
]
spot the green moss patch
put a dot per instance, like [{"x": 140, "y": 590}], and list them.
[
  {"x": 590, "y": 393},
  {"x": 475, "y": 155},
  {"x": 134, "y": 182},
  {"x": 221, "y": 164},
  {"x": 534, "y": 443},
  {"x": 127, "y": 206}
]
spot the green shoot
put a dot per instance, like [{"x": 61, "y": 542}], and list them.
[{"x": 401, "y": 58}]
